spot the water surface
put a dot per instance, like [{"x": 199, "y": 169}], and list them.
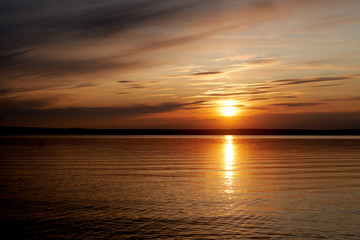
[{"x": 180, "y": 187}]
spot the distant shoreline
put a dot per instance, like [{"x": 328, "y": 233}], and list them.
[{"x": 10, "y": 131}]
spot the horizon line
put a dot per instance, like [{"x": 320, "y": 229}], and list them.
[{"x": 15, "y": 130}]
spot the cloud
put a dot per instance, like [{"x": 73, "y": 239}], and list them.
[
  {"x": 136, "y": 86},
  {"x": 273, "y": 87},
  {"x": 257, "y": 99},
  {"x": 269, "y": 98},
  {"x": 232, "y": 93},
  {"x": 284, "y": 97},
  {"x": 85, "y": 85},
  {"x": 277, "y": 84},
  {"x": 250, "y": 65},
  {"x": 15, "y": 90},
  {"x": 30, "y": 33},
  {"x": 48, "y": 86},
  {"x": 256, "y": 108},
  {"x": 265, "y": 61},
  {"x": 307, "y": 104},
  {"x": 60, "y": 116},
  {"x": 141, "y": 85},
  {"x": 174, "y": 42},
  {"x": 161, "y": 95},
  {"x": 328, "y": 85},
  {"x": 125, "y": 81},
  {"x": 242, "y": 57},
  {"x": 331, "y": 22},
  {"x": 9, "y": 56},
  {"x": 26, "y": 65},
  {"x": 33, "y": 35},
  {"x": 342, "y": 99},
  {"x": 235, "y": 90},
  {"x": 310, "y": 80},
  {"x": 205, "y": 73},
  {"x": 301, "y": 120},
  {"x": 160, "y": 89},
  {"x": 205, "y": 83},
  {"x": 209, "y": 73},
  {"x": 80, "y": 19},
  {"x": 86, "y": 46},
  {"x": 111, "y": 18},
  {"x": 11, "y": 103}
]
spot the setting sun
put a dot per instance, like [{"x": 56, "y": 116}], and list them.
[{"x": 228, "y": 109}]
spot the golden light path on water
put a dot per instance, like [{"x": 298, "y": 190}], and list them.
[{"x": 229, "y": 164}]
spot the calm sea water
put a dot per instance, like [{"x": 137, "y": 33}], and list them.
[{"x": 180, "y": 187}]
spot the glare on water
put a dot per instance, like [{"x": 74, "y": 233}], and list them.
[{"x": 229, "y": 163}]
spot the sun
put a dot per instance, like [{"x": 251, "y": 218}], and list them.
[
  {"x": 228, "y": 108},
  {"x": 229, "y": 111}
]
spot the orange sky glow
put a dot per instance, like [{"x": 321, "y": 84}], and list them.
[{"x": 181, "y": 64}]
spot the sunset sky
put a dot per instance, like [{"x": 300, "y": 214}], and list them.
[{"x": 179, "y": 63}]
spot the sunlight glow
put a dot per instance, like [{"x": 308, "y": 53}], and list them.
[{"x": 228, "y": 108}]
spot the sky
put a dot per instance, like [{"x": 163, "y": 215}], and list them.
[{"x": 179, "y": 63}]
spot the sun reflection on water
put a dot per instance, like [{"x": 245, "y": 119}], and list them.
[{"x": 229, "y": 164}]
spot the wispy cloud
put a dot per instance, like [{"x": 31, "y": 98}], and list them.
[
  {"x": 310, "y": 80},
  {"x": 185, "y": 69},
  {"x": 284, "y": 96},
  {"x": 15, "y": 104},
  {"x": 257, "y": 99},
  {"x": 224, "y": 93},
  {"x": 242, "y": 57},
  {"x": 125, "y": 81},
  {"x": 148, "y": 85},
  {"x": 5, "y": 92},
  {"x": 207, "y": 83},
  {"x": 306, "y": 104},
  {"x": 34, "y": 35},
  {"x": 265, "y": 61},
  {"x": 136, "y": 86},
  {"x": 85, "y": 85},
  {"x": 306, "y": 120},
  {"x": 233, "y": 68},
  {"x": 205, "y": 73},
  {"x": 199, "y": 74},
  {"x": 34, "y": 67},
  {"x": 30, "y": 110},
  {"x": 330, "y": 22},
  {"x": 342, "y": 99},
  {"x": 327, "y": 85}
]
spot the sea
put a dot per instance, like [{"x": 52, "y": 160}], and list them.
[{"x": 180, "y": 187}]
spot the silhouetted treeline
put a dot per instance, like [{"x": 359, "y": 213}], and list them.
[{"x": 86, "y": 131}]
